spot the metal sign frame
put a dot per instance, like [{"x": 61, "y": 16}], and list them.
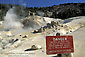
[{"x": 59, "y": 44}]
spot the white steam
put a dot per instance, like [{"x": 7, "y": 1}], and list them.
[
  {"x": 22, "y": 3},
  {"x": 12, "y": 23},
  {"x": 11, "y": 20}
]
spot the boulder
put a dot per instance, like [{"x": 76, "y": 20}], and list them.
[
  {"x": 11, "y": 41},
  {"x": 36, "y": 46},
  {"x": 16, "y": 44},
  {"x": 53, "y": 22},
  {"x": 35, "y": 31},
  {"x": 16, "y": 40},
  {"x": 25, "y": 36}
]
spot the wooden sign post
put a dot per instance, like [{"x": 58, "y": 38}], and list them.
[{"x": 59, "y": 45}]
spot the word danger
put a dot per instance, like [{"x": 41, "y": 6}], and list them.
[{"x": 57, "y": 39}]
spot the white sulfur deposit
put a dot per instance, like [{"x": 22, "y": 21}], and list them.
[
  {"x": 77, "y": 23},
  {"x": 9, "y": 33}
]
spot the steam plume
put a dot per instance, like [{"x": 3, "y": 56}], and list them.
[{"x": 11, "y": 20}]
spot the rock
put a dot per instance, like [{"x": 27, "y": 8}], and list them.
[
  {"x": 11, "y": 41},
  {"x": 53, "y": 30},
  {"x": 20, "y": 35},
  {"x": 53, "y": 22},
  {"x": 40, "y": 30},
  {"x": 45, "y": 27},
  {"x": 36, "y": 46},
  {"x": 25, "y": 36},
  {"x": 5, "y": 42},
  {"x": 54, "y": 26},
  {"x": 70, "y": 30},
  {"x": 61, "y": 25},
  {"x": 16, "y": 40},
  {"x": 33, "y": 20},
  {"x": 65, "y": 26},
  {"x": 35, "y": 31},
  {"x": 16, "y": 44},
  {"x": 42, "y": 51}
]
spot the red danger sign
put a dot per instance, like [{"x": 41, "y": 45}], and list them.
[{"x": 59, "y": 44}]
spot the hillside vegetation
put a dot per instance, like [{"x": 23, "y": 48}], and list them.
[{"x": 62, "y": 11}]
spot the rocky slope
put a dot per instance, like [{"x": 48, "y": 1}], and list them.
[{"x": 23, "y": 42}]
